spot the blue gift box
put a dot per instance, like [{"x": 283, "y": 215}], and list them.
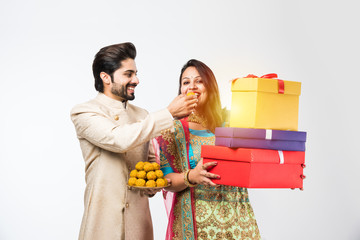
[{"x": 260, "y": 138}]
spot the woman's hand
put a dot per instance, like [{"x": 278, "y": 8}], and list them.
[{"x": 200, "y": 175}]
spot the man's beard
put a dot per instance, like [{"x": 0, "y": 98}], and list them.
[{"x": 122, "y": 91}]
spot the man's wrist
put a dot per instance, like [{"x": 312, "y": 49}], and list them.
[
  {"x": 171, "y": 114},
  {"x": 149, "y": 195}
]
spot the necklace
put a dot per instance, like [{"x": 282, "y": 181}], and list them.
[{"x": 196, "y": 118}]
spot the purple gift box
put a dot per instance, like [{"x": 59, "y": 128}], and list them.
[{"x": 260, "y": 138}]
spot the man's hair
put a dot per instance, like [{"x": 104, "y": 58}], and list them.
[
  {"x": 212, "y": 108},
  {"x": 108, "y": 60}
]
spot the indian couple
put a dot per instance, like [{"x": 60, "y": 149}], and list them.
[{"x": 114, "y": 135}]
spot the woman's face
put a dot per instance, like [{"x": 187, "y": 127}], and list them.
[{"x": 192, "y": 82}]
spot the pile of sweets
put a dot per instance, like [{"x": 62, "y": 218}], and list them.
[{"x": 147, "y": 174}]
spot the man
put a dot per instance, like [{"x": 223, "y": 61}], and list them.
[{"x": 114, "y": 135}]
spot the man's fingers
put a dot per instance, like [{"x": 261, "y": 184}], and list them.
[
  {"x": 182, "y": 106},
  {"x": 151, "y": 191},
  {"x": 191, "y": 101}
]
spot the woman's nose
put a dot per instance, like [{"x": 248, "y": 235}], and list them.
[{"x": 192, "y": 85}]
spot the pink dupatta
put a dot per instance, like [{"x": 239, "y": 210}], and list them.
[{"x": 170, "y": 198}]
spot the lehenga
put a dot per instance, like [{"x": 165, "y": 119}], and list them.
[{"x": 203, "y": 212}]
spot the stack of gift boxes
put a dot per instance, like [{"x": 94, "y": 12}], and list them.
[{"x": 262, "y": 147}]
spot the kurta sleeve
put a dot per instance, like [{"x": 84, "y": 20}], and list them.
[
  {"x": 153, "y": 155},
  {"x": 98, "y": 129}
]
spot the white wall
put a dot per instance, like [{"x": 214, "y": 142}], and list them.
[{"x": 47, "y": 48}]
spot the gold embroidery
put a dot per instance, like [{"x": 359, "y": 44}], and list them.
[
  {"x": 182, "y": 205},
  {"x": 182, "y": 152},
  {"x": 196, "y": 142},
  {"x": 225, "y": 220},
  {"x": 177, "y": 228},
  {"x": 172, "y": 146},
  {"x": 221, "y": 193},
  {"x": 222, "y": 212}
]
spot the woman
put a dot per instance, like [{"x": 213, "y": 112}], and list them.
[{"x": 201, "y": 209}]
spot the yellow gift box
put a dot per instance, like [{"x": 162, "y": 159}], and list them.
[{"x": 265, "y": 102}]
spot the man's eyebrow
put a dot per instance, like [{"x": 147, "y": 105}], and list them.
[{"x": 131, "y": 71}]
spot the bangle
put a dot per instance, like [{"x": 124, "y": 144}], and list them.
[{"x": 186, "y": 179}]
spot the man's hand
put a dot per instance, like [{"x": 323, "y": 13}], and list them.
[
  {"x": 151, "y": 192},
  {"x": 182, "y": 106}
]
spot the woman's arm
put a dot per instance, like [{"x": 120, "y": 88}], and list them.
[
  {"x": 177, "y": 182},
  {"x": 198, "y": 175}
]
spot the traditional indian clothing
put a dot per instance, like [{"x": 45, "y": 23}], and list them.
[
  {"x": 202, "y": 212},
  {"x": 114, "y": 136}
]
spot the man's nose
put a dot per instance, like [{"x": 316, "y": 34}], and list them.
[{"x": 135, "y": 80}]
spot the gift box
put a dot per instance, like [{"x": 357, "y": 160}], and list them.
[
  {"x": 260, "y": 138},
  {"x": 255, "y": 168},
  {"x": 265, "y": 103}
]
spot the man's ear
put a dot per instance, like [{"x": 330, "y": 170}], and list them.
[{"x": 106, "y": 78}]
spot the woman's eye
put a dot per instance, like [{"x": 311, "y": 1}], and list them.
[{"x": 185, "y": 83}]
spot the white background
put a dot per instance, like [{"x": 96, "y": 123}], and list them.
[{"x": 47, "y": 48}]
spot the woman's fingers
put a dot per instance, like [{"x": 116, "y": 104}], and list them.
[
  {"x": 209, "y": 165},
  {"x": 211, "y": 183},
  {"x": 202, "y": 176},
  {"x": 206, "y": 167},
  {"x": 200, "y": 162},
  {"x": 169, "y": 181},
  {"x": 208, "y": 182},
  {"x": 209, "y": 175}
]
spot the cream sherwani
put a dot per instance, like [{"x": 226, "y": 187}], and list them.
[{"x": 113, "y": 137}]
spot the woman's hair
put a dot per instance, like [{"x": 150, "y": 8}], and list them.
[
  {"x": 212, "y": 109},
  {"x": 108, "y": 60}
]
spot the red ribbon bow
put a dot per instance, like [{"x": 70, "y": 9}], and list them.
[{"x": 269, "y": 75}]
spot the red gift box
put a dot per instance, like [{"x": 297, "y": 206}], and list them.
[{"x": 255, "y": 168}]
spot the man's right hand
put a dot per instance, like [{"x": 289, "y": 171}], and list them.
[{"x": 182, "y": 106}]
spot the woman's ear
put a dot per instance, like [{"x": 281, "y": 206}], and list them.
[{"x": 105, "y": 78}]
